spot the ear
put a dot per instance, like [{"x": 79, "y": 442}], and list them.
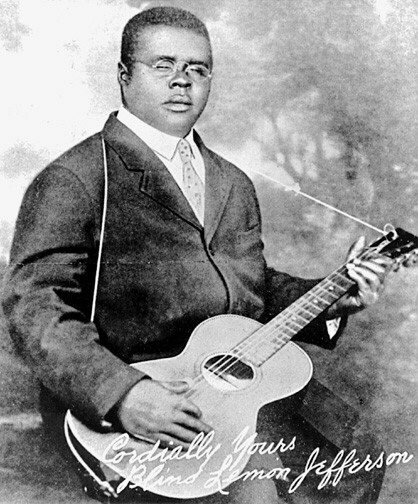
[{"x": 123, "y": 74}]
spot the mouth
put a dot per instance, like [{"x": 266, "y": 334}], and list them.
[{"x": 179, "y": 103}]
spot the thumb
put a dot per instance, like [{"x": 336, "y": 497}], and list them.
[
  {"x": 356, "y": 248},
  {"x": 178, "y": 387}
]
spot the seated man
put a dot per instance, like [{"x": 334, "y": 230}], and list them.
[{"x": 129, "y": 240}]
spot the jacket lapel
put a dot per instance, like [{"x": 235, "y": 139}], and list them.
[
  {"x": 217, "y": 188},
  {"x": 155, "y": 180}
]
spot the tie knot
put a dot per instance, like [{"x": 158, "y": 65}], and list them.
[{"x": 185, "y": 150}]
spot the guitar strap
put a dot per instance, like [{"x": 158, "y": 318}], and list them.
[
  {"x": 102, "y": 229},
  {"x": 103, "y": 485}
]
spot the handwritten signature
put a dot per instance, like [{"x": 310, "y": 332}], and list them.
[
  {"x": 345, "y": 462},
  {"x": 150, "y": 468}
]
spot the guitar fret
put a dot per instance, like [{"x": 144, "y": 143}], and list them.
[
  {"x": 298, "y": 325},
  {"x": 305, "y": 320},
  {"x": 329, "y": 291},
  {"x": 344, "y": 280},
  {"x": 307, "y": 310},
  {"x": 276, "y": 342},
  {"x": 264, "y": 351},
  {"x": 286, "y": 330},
  {"x": 334, "y": 288},
  {"x": 306, "y": 305},
  {"x": 315, "y": 303}
]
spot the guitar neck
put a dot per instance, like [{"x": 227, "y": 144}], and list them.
[
  {"x": 268, "y": 340},
  {"x": 397, "y": 244}
]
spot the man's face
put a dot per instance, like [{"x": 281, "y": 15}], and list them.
[{"x": 173, "y": 103}]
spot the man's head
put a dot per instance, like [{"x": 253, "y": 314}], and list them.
[{"x": 165, "y": 68}]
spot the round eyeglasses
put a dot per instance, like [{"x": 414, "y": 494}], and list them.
[{"x": 167, "y": 68}]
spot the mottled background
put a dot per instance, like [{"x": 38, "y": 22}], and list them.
[{"x": 322, "y": 93}]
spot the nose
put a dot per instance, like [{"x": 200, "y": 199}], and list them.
[{"x": 180, "y": 77}]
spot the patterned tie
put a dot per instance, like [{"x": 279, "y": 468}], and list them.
[{"x": 193, "y": 186}]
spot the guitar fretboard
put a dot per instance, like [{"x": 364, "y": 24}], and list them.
[{"x": 270, "y": 338}]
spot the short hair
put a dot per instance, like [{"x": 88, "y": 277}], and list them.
[{"x": 157, "y": 16}]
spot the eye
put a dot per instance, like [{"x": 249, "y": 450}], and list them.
[
  {"x": 198, "y": 71},
  {"x": 164, "y": 66}
]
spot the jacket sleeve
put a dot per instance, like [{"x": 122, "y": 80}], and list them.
[
  {"x": 47, "y": 298},
  {"x": 281, "y": 291}
]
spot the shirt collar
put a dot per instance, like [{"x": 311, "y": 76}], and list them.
[{"x": 162, "y": 143}]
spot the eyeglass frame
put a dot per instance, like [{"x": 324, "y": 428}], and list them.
[{"x": 176, "y": 67}]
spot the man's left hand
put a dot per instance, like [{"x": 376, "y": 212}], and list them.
[{"x": 369, "y": 275}]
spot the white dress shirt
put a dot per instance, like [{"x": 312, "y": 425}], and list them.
[{"x": 165, "y": 147}]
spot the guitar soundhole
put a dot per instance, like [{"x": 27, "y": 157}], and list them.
[{"x": 227, "y": 372}]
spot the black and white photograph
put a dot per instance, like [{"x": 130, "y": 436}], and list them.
[{"x": 208, "y": 251}]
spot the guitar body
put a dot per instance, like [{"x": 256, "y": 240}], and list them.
[{"x": 230, "y": 404}]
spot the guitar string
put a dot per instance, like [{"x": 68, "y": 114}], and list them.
[
  {"x": 316, "y": 200},
  {"x": 306, "y": 303},
  {"x": 267, "y": 330},
  {"x": 258, "y": 338},
  {"x": 255, "y": 342},
  {"x": 220, "y": 399},
  {"x": 250, "y": 343}
]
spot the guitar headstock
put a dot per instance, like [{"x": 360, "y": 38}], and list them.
[{"x": 397, "y": 244}]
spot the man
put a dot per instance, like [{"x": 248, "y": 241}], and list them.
[{"x": 178, "y": 238}]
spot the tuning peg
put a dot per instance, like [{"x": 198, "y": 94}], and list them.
[{"x": 410, "y": 259}]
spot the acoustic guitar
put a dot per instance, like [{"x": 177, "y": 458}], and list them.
[{"x": 234, "y": 366}]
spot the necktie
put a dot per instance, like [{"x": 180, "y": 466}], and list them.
[{"x": 193, "y": 186}]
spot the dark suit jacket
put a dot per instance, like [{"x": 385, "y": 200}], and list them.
[{"x": 161, "y": 274}]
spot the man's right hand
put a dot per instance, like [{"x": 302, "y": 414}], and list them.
[{"x": 160, "y": 411}]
